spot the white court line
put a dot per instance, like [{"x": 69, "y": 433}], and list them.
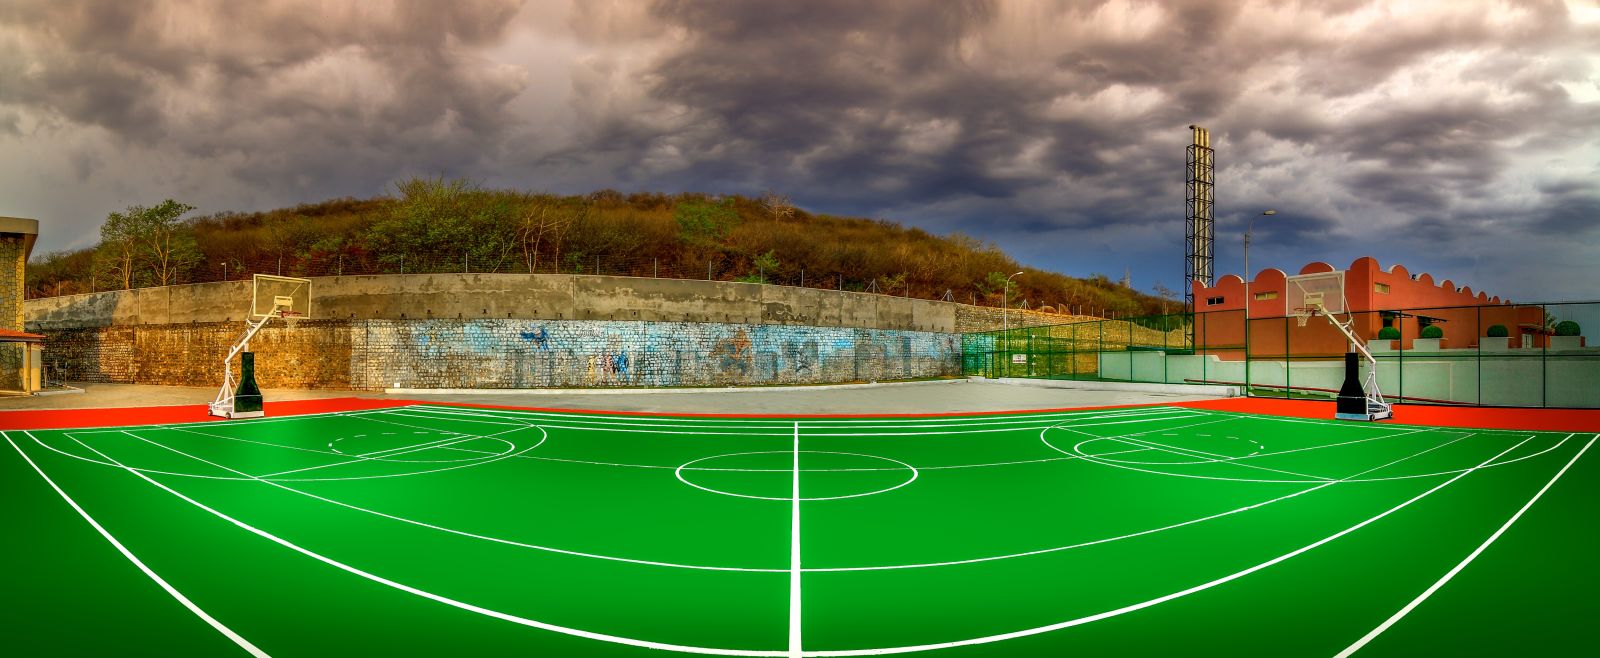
[
  {"x": 785, "y": 470},
  {"x": 794, "y": 553},
  {"x": 231, "y": 438},
  {"x": 1131, "y": 467},
  {"x": 1359, "y": 425},
  {"x": 761, "y": 423},
  {"x": 1127, "y": 438},
  {"x": 616, "y": 639},
  {"x": 173, "y": 591},
  {"x": 1151, "y": 531},
  {"x": 1158, "y": 600},
  {"x": 1219, "y": 459},
  {"x": 452, "y": 531},
  {"x": 395, "y": 452},
  {"x": 1374, "y": 633},
  {"x": 668, "y": 419},
  {"x": 689, "y": 649},
  {"x": 73, "y": 436},
  {"x": 650, "y": 429},
  {"x": 785, "y": 654},
  {"x": 239, "y": 422}
]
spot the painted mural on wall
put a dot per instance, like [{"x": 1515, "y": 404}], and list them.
[{"x": 584, "y": 353}]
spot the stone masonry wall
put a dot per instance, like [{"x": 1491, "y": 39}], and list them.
[
  {"x": 12, "y": 259},
  {"x": 477, "y": 353},
  {"x": 309, "y": 354}
]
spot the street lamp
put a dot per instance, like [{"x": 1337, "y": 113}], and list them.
[
  {"x": 1005, "y": 305},
  {"x": 1247, "y": 230},
  {"x": 1005, "y": 312},
  {"x": 1247, "y": 299}
]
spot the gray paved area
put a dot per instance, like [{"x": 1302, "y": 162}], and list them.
[{"x": 915, "y": 397}]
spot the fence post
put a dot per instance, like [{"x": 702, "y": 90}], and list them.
[
  {"x": 1288, "y": 360},
  {"x": 341, "y": 265},
  {"x": 655, "y": 268},
  {"x": 1400, "y": 363},
  {"x": 280, "y": 264}
]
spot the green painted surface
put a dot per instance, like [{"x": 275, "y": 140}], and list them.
[{"x": 1150, "y": 531}]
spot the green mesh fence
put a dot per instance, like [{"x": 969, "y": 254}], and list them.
[{"x": 1517, "y": 355}]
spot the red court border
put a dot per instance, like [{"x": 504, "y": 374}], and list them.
[{"x": 1565, "y": 420}]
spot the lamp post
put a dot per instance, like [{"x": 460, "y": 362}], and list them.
[
  {"x": 1247, "y": 299},
  {"x": 1005, "y": 312},
  {"x": 1247, "y": 231}
]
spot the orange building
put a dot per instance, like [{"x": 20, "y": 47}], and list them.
[{"x": 1377, "y": 297}]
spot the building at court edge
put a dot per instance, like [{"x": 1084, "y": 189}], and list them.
[{"x": 1379, "y": 298}]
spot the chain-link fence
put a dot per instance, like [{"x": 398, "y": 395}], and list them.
[{"x": 1519, "y": 355}]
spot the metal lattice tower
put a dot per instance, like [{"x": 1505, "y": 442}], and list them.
[{"x": 1198, "y": 219}]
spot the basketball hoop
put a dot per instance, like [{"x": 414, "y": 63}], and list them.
[{"x": 271, "y": 296}]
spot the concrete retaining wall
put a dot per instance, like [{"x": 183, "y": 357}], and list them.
[
  {"x": 507, "y": 296},
  {"x": 501, "y": 353},
  {"x": 534, "y": 297}
]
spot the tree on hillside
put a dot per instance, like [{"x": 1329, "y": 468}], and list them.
[
  {"x": 778, "y": 207},
  {"x": 705, "y": 223},
  {"x": 147, "y": 246},
  {"x": 1168, "y": 296},
  {"x": 168, "y": 241},
  {"x": 117, "y": 256},
  {"x": 447, "y": 225},
  {"x": 994, "y": 289},
  {"x": 544, "y": 221}
]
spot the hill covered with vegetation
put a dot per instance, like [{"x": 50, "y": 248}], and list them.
[{"x": 442, "y": 225}]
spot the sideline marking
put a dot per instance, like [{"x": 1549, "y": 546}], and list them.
[
  {"x": 642, "y": 643},
  {"x": 1150, "y": 531},
  {"x": 1466, "y": 561},
  {"x": 794, "y": 551},
  {"x": 453, "y": 531},
  {"x": 1161, "y": 599},
  {"x": 1128, "y": 466},
  {"x": 785, "y": 654},
  {"x": 777, "y": 421},
  {"x": 523, "y": 621},
  {"x": 392, "y": 452},
  {"x": 227, "y": 632}
]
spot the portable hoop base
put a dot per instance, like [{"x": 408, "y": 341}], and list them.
[
  {"x": 246, "y": 401},
  {"x": 1353, "y": 402}
]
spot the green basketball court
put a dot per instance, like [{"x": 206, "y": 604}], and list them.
[{"x": 445, "y": 530}]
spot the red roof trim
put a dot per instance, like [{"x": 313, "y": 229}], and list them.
[{"x": 12, "y": 336}]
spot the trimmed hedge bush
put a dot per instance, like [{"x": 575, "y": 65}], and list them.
[
  {"x": 1432, "y": 331},
  {"x": 1568, "y": 328},
  {"x": 1497, "y": 331},
  {"x": 1388, "y": 333}
]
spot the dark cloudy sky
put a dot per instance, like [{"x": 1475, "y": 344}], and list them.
[{"x": 1458, "y": 137}]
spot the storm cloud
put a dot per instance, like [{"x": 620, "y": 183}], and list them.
[{"x": 1456, "y": 137}]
